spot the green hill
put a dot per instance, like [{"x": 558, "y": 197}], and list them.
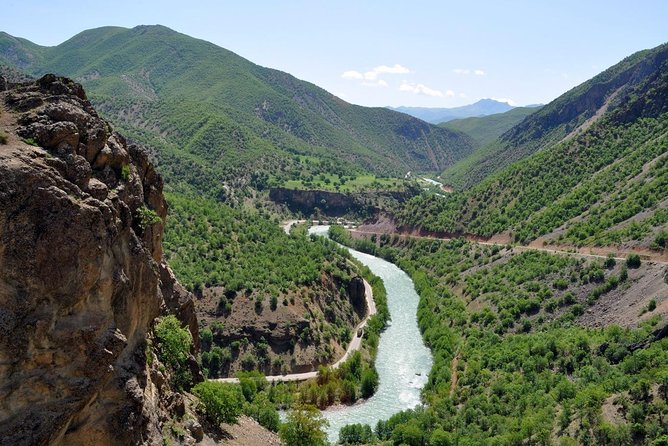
[
  {"x": 216, "y": 117},
  {"x": 606, "y": 184},
  {"x": 485, "y": 129},
  {"x": 562, "y": 119}
]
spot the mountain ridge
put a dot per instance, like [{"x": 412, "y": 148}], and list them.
[
  {"x": 485, "y": 129},
  {"x": 594, "y": 175},
  {"x": 566, "y": 116},
  {"x": 440, "y": 115},
  {"x": 207, "y": 108}
]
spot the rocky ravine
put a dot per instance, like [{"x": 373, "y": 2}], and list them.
[{"x": 81, "y": 275}]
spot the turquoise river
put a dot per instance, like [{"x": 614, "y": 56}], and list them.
[{"x": 403, "y": 361}]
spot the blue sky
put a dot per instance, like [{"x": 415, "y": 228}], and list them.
[{"x": 377, "y": 53}]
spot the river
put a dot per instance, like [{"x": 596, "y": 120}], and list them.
[{"x": 403, "y": 361}]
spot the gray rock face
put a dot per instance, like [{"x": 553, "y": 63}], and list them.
[{"x": 81, "y": 281}]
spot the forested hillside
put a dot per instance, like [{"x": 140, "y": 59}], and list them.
[
  {"x": 566, "y": 117},
  {"x": 516, "y": 360},
  {"x": 215, "y": 117},
  {"x": 485, "y": 129},
  {"x": 267, "y": 300},
  {"x": 604, "y": 185}
]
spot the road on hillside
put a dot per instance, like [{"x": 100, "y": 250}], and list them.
[
  {"x": 354, "y": 345},
  {"x": 566, "y": 251}
]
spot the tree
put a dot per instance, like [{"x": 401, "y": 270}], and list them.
[
  {"x": 223, "y": 401},
  {"x": 174, "y": 344},
  {"x": 369, "y": 382},
  {"x": 440, "y": 438},
  {"x": 356, "y": 434},
  {"x": 304, "y": 427},
  {"x": 633, "y": 261}
]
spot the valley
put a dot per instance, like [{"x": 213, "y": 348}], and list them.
[{"x": 162, "y": 213}]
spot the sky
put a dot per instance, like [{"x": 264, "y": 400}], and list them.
[{"x": 389, "y": 53}]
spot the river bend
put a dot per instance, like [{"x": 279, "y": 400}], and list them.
[{"x": 403, "y": 361}]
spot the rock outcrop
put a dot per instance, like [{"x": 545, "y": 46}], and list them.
[
  {"x": 320, "y": 203},
  {"x": 81, "y": 274}
]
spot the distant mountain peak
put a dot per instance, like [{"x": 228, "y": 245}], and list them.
[{"x": 483, "y": 107}]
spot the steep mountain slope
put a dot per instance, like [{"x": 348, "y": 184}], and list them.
[
  {"x": 605, "y": 185},
  {"x": 211, "y": 112},
  {"x": 483, "y": 130},
  {"x": 483, "y": 107},
  {"x": 562, "y": 119}
]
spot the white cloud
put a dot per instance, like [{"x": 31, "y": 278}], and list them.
[
  {"x": 352, "y": 74},
  {"x": 462, "y": 95},
  {"x": 371, "y": 75},
  {"x": 375, "y": 72},
  {"x": 467, "y": 71},
  {"x": 423, "y": 89},
  {"x": 396, "y": 69}
]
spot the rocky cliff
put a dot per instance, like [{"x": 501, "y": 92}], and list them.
[
  {"x": 81, "y": 274},
  {"x": 320, "y": 203}
]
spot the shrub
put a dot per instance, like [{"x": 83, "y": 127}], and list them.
[
  {"x": 125, "y": 172},
  {"x": 3, "y": 138},
  {"x": 147, "y": 217},
  {"x": 370, "y": 382},
  {"x": 304, "y": 427},
  {"x": 263, "y": 411},
  {"x": 173, "y": 343},
  {"x": 610, "y": 261},
  {"x": 661, "y": 240},
  {"x": 248, "y": 362},
  {"x": 633, "y": 261},
  {"x": 222, "y": 401},
  {"x": 560, "y": 284},
  {"x": 206, "y": 338}
]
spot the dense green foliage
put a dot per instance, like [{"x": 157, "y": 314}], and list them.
[
  {"x": 258, "y": 402},
  {"x": 303, "y": 427},
  {"x": 245, "y": 252},
  {"x": 208, "y": 243},
  {"x": 506, "y": 371},
  {"x": 485, "y": 129},
  {"x": 173, "y": 344},
  {"x": 214, "y": 116},
  {"x": 356, "y": 434},
  {"x": 222, "y": 401},
  {"x": 615, "y": 192}
]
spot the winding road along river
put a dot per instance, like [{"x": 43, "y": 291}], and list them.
[{"x": 403, "y": 361}]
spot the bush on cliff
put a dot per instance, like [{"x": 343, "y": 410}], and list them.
[{"x": 173, "y": 342}]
